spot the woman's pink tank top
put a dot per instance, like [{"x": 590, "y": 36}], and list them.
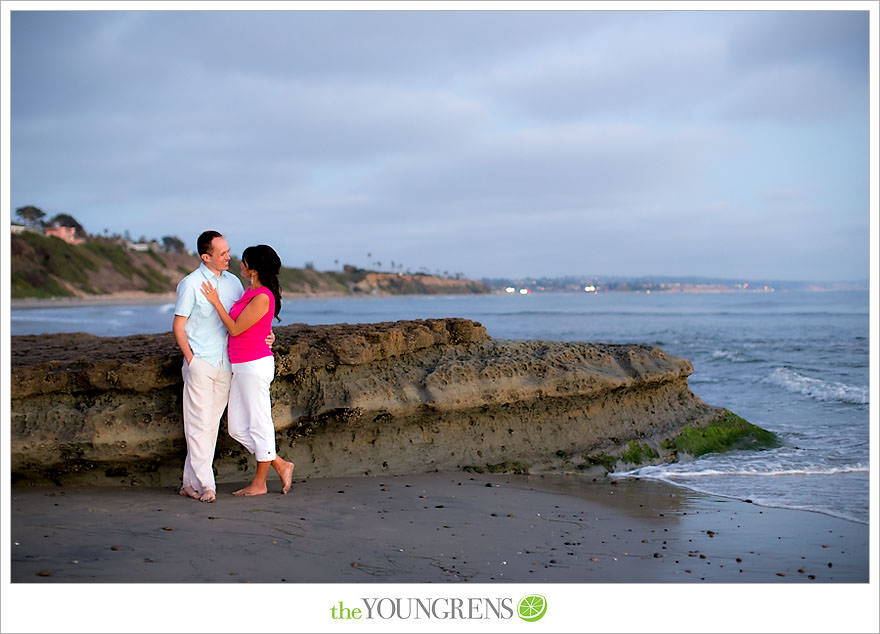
[{"x": 251, "y": 344}]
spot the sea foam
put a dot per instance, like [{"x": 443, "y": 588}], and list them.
[{"x": 818, "y": 389}]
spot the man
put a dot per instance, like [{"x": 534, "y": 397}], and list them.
[{"x": 207, "y": 373}]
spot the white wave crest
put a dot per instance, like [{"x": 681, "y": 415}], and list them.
[
  {"x": 779, "y": 498},
  {"x": 729, "y": 355},
  {"x": 818, "y": 389},
  {"x": 776, "y": 462},
  {"x": 667, "y": 472}
]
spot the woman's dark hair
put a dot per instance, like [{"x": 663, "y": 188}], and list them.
[{"x": 263, "y": 259}]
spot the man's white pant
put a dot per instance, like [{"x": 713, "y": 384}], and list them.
[
  {"x": 205, "y": 394},
  {"x": 250, "y": 407}
]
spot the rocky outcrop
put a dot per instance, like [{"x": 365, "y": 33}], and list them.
[{"x": 393, "y": 398}]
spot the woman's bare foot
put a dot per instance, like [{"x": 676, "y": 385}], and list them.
[
  {"x": 286, "y": 473},
  {"x": 208, "y": 496},
  {"x": 252, "y": 489},
  {"x": 188, "y": 491}
]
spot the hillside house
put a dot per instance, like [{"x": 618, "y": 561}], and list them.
[
  {"x": 68, "y": 234},
  {"x": 143, "y": 247}
]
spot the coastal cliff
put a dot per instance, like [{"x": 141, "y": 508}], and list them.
[
  {"x": 44, "y": 267},
  {"x": 387, "y": 398}
]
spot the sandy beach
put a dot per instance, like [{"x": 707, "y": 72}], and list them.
[
  {"x": 455, "y": 527},
  {"x": 147, "y": 559}
]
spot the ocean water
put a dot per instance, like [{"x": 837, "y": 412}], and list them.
[{"x": 796, "y": 363}]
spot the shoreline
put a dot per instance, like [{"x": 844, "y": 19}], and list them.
[
  {"x": 148, "y": 299},
  {"x": 443, "y": 527},
  {"x": 113, "y": 299}
]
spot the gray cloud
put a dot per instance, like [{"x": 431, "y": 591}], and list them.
[
  {"x": 493, "y": 142},
  {"x": 833, "y": 39}
]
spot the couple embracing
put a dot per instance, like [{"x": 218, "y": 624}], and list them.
[{"x": 225, "y": 335}]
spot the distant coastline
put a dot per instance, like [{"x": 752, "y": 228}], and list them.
[
  {"x": 56, "y": 262},
  {"x": 664, "y": 284},
  {"x": 141, "y": 298},
  {"x": 135, "y": 298},
  {"x": 47, "y": 270}
]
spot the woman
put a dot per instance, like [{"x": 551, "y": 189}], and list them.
[{"x": 249, "y": 322}]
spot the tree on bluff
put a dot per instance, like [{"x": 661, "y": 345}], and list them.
[
  {"x": 30, "y": 215},
  {"x": 66, "y": 220},
  {"x": 173, "y": 244}
]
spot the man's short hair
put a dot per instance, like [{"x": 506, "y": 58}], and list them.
[{"x": 204, "y": 242}]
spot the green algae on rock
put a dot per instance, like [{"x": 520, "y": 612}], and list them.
[
  {"x": 722, "y": 433},
  {"x": 639, "y": 453},
  {"x": 725, "y": 433}
]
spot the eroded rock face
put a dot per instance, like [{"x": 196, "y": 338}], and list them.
[{"x": 395, "y": 397}]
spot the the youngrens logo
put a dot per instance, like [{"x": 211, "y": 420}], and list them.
[{"x": 530, "y": 608}]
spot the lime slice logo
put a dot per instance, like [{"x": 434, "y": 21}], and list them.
[{"x": 532, "y": 608}]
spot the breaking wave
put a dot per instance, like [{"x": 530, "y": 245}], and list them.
[{"x": 818, "y": 389}]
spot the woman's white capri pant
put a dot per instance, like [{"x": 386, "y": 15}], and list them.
[{"x": 250, "y": 408}]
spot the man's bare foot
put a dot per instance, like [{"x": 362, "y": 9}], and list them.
[
  {"x": 251, "y": 489},
  {"x": 208, "y": 496},
  {"x": 188, "y": 491},
  {"x": 286, "y": 473}
]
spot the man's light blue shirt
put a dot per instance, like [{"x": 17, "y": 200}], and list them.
[{"x": 206, "y": 333}]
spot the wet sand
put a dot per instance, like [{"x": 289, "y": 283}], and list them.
[{"x": 456, "y": 527}]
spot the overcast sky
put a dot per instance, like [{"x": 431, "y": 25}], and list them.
[{"x": 496, "y": 143}]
